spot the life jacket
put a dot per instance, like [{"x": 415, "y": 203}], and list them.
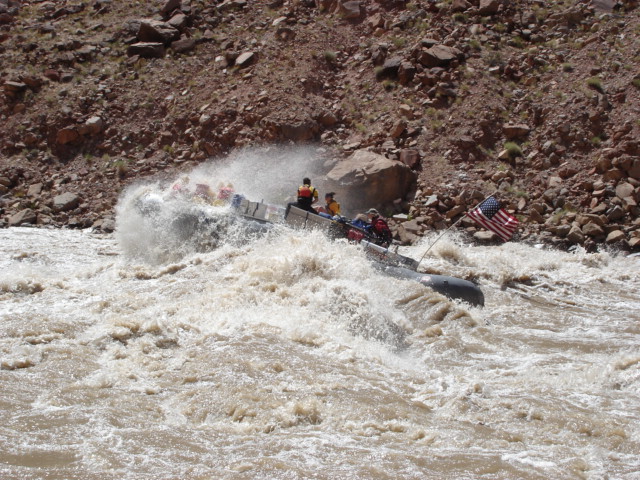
[
  {"x": 380, "y": 227},
  {"x": 225, "y": 193},
  {"x": 306, "y": 194},
  {"x": 333, "y": 208}
]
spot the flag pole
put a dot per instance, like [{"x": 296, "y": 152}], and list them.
[{"x": 449, "y": 228}]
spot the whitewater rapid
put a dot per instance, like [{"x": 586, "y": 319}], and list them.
[{"x": 288, "y": 356}]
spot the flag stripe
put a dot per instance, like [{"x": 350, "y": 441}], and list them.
[
  {"x": 491, "y": 216},
  {"x": 479, "y": 217}
]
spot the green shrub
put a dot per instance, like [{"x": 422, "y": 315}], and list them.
[
  {"x": 389, "y": 84},
  {"x": 500, "y": 27},
  {"x": 517, "y": 42},
  {"x": 494, "y": 59},
  {"x": 517, "y": 193},
  {"x": 399, "y": 42},
  {"x": 540, "y": 13},
  {"x": 330, "y": 57},
  {"x": 460, "y": 17},
  {"x": 513, "y": 149},
  {"x": 121, "y": 168},
  {"x": 474, "y": 44},
  {"x": 436, "y": 124},
  {"x": 595, "y": 83}
]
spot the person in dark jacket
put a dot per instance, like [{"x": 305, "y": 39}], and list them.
[{"x": 379, "y": 228}]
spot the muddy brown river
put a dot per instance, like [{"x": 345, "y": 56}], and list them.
[{"x": 274, "y": 358}]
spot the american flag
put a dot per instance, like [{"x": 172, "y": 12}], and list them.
[{"x": 491, "y": 216}]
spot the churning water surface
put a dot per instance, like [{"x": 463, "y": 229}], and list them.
[
  {"x": 277, "y": 358},
  {"x": 284, "y": 355}
]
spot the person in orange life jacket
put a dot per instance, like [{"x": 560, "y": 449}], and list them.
[
  {"x": 307, "y": 196},
  {"x": 379, "y": 228}
]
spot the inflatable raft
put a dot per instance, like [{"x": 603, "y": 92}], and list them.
[{"x": 387, "y": 261}]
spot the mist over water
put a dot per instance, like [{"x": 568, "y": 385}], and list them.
[
  {"x": 157, "y": 224},
  {"x": 284, "y": 355},
  {"x": 271, "y": 174}
]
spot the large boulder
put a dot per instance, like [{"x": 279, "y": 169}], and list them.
[
  {"x": 154, "y": 31},
  {"x": 634, "y": 169},
  {"x": 593, "y": 230},
  {"x": 228, "y": 5},
  {"x": 368, "y": 179},
  {"x": 515, "y": 130},
  {"x": 6, "y": 19},
  {"x": 460, "y": 5},
  {"x": 179, "y": 22},
  {"x": 184, "y": 45},
  {"x": 13, "y": 89},
  {"x": 604, "y": 5},
  {"x": 67, "y": 135},
  {"x": 299, "y": 131},
  {"x": 34, "y": 190},
  {"x": 624, "y": 190},
  {"x": 439, "y": 56},
  {"x": 245, "y": 59},
  {"x": 410, "y": 158},
  {"x": 350, "y": 10},
  {"x": 93, "y": 126},
  {"x": 26, "y": 216},
  {"x": 170, "y": 6},
  {"x": 390, "y": 68},
  {"x": 146, "y": 50},
  {"x": 575, "y": 235},
  {"x": 489, "y": 7},
  {"x": 615, "y": 236}
]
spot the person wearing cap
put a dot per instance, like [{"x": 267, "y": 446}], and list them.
[
  {"x": 332, "y": 207},
  {"x": 379, "y": 228}
]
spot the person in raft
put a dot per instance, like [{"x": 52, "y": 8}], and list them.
[
  {"x": 379, "y": 228},
  {"x": 307, "y": 196},
  {"x": 331, "y": 208}
]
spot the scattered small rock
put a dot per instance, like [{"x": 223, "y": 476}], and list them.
[{"x": 65, "y": 202}]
